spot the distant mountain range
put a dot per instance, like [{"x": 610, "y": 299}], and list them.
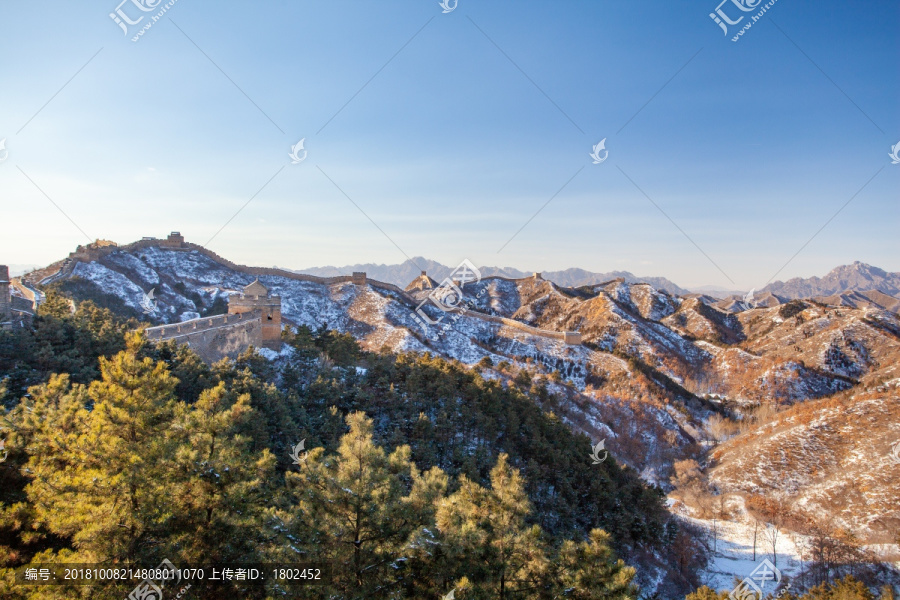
[
  {"x": 846, "y": 279},
  {"x": 858, "y": 277},
  {"x": 400, "y": 275}
]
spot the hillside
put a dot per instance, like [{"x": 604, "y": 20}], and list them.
[
  {"x": 828, "y": 461},
  {"x": 146, "y": 453},
  {"x": 653, "y": 372}
]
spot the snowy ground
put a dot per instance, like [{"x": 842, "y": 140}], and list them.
[{"x": 732, "y": 558}]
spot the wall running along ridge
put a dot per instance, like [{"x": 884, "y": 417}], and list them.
[{"x": 176, "y": 242}]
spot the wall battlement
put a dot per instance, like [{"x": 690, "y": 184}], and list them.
[
  {"x": 255, "y": 298},
  {"x": 253, "y": 319},
  {"x": 185, "y": 328},
  {"x": 214, "y": 338}
]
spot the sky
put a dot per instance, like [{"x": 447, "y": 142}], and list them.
[{"x": 456, "y": 135}]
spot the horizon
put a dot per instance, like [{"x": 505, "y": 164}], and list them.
[
  {"x": 461, "y": 135},
  {"x": 17, "y": 270}
]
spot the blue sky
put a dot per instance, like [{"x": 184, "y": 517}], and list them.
[{"x": 483, "y": 115}]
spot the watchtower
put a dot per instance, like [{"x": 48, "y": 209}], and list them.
[
  {"x": 5, "y": 302},
  {"x": 358, "y": 278},
  {"x": 175, "y": 240},
  {"x": 256, "y": 297}
]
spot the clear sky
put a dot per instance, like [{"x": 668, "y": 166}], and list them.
[{"x": 450, "y": 131}]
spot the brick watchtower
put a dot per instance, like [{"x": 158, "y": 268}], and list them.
[
  {"x": 175, "y": 240},
  {"x": 5, "y": 302},
  {"x": 256, "y": 297}
]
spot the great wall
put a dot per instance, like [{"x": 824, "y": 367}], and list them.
[
  {"x": 214, "y": 338},
  {"x": 254, "y": 317},
  {"x": 18, "y": 310},
  {"x": 569, "y": 337}
]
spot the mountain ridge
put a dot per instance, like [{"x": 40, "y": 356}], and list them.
[
  {"x": 855, "y": 277},
  {"x": 403, "y": 273}
]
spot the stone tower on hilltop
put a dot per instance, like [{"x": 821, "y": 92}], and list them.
[
  {"x": 5, "y": 301},
  {"x": 256, "y": 297}
]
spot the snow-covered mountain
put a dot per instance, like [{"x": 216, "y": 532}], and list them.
[
  {"x": 403, "y": 273},
  {"x": 652, "y": 368}
]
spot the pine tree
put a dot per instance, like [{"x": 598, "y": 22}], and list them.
[
  {"x": 357, "y": 510},
  {"x": 706, "y": 593},
  {"x": 217, "y": 488},
  {"x": 589, "y": 571},
  {"x": 496, "y": 554},
  {"x": 128, "y": 474},
  {"x": 101, "y": 485},
  {"x": 53, "y": 412}
]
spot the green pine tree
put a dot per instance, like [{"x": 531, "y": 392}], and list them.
[
  {"x": 101, "y": 485},
  {"x": 589, "y": 571},
  {"x": 217, "y": 488},
  {"x": 496, "y": 554},
  {"x": 358, "y": 510}
]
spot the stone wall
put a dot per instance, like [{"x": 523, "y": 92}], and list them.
[
  {"x": 569, "y": 337},
  {"x": 27, "y": 292},
  {"x": 214, "y": 338},
  {"x": 15, "y": 311},
  {"x": 64, "y": 272}
]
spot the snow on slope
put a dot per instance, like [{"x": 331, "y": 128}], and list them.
[
  {"x": 616, "y": 320},
  {"x": 829, "y": 459},
  {"x": 732, "y": 544}
]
